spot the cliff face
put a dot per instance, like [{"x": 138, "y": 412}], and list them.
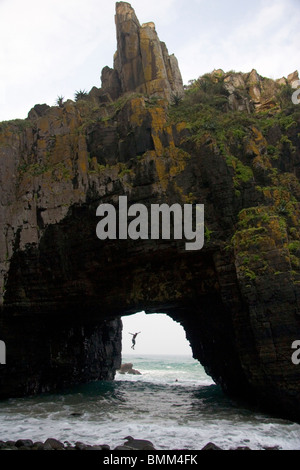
[
  {"x": 142, "y": 63},
  {"x": 230, "y": 142}
]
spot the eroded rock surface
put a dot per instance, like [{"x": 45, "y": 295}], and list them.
[
  {"x": 232, "y": 144},
  {"x": 142, "y": 63}
]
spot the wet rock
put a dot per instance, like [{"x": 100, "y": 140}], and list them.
[
  {"x": 80, "y": 446},
  {"x": 38, "y": 445},
  {"x": 128, "y": 369},
  {"x": 24, "y": 443},
  {"x": 242, "y": 448},
  {"x": 8, "y": 445},
  {"x": 211, "y": 446},
  {"x": 47, "y": 446},
  {"x": 271, "y": 448},
  {"x": 54, "y": 444},
  {"x": 122, "y": 447},
  {"x": 137, "y": 444},
  {"x": 105, "y": 447}
]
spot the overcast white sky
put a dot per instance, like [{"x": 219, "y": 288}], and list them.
[
  {"x": 55, "y": 47},
  {"x": 159, "y": 335}
]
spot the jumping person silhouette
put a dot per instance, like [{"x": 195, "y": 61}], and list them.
[{"x": 134, "y": 335}]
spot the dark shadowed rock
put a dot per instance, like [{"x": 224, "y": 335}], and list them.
[
  {"x": 38, "y": 445},
  {"x": 138, "y": 444},
  {"x": 54, "y": 444},
  {"x": 81, "y": 446},
  {"x": 24, "y": 443},
  {"x": 211, "y": 446},
  {"x": 111, "y": 82},
  {"x": 123, "y": 447},
  {"x": 242, "y": 448},
  {"x": 38, "y": 111}
]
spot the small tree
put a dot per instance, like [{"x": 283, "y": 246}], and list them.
[
  {"x": 60, "y": 101},
  {"x": 176, "y": 98},
  {"x": 80, "y": 95}
]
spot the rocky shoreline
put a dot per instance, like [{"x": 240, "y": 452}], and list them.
[{"x": 134, "y": 444}]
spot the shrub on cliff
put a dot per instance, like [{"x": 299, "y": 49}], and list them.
[
  {"x": 60, "y": 101},
  {"x": 81, "y": 95}
]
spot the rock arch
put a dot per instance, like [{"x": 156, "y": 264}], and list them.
[
  {"x": 64, "y": 300},
  {"x": 65, "y": 290},
  {"x": 62, "y": 291}
]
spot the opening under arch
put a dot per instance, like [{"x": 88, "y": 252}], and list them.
[
  {"x": 161, "y": 354},
  {"x": 159, "y": 334}
]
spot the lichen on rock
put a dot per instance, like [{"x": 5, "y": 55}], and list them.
[{"x": 231, "y": 142}]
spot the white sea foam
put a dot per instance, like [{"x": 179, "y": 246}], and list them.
[{"x": 173, "y": 404}]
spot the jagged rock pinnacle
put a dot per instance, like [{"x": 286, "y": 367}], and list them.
[{"x": 142, "y": 63}]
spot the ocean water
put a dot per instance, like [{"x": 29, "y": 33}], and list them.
[{"x": 173, "y": 403}]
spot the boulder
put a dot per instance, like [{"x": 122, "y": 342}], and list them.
[
  {"x": 138, "y": 444},
  {"x": 211, "y": 446},
  {"x": 54, "y": 444},
  {"x": 38, "y": 111},
  {"x": 128, "y": 369},
  {"x": 24, "y": 443}
]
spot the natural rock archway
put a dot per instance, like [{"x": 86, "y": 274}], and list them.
[
  {"x": 64, "y": 300},
  {"x": 63, "y": 291}
]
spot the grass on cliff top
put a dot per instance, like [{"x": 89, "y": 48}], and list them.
[
  {"x": 16, "y": 125},
  {"x": 205, "y": 110},
  {"x": 256, "y": 146},
  {"x": 239, "y": 134}
]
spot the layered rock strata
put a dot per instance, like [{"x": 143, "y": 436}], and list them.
[
  {"x": 63, "y": 290},
  {"x": 142, "y": 63}
]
